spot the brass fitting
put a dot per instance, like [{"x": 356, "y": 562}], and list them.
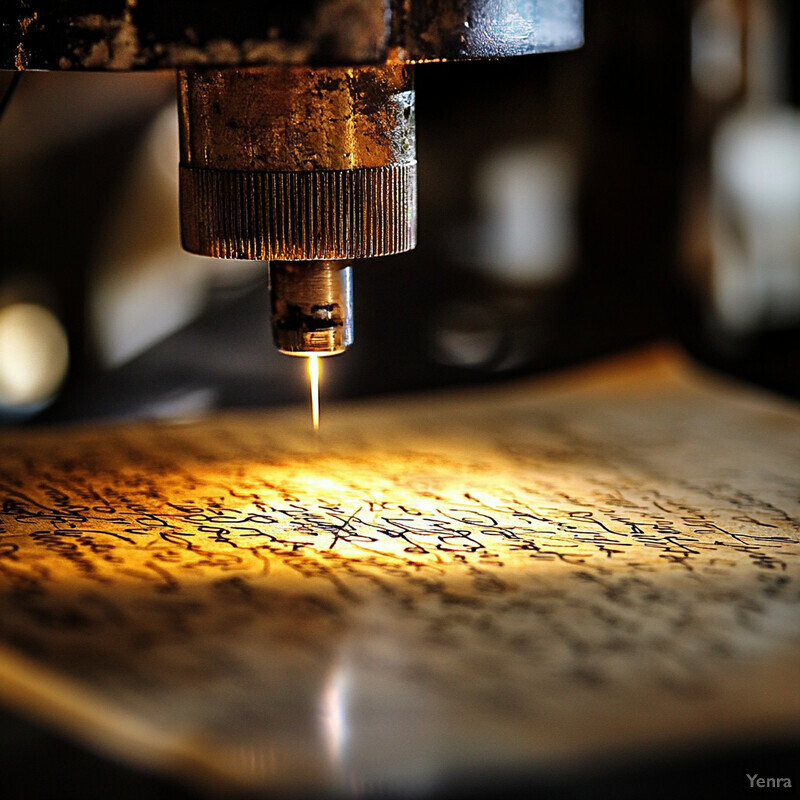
[
  {"x": 305, "y": 165},
  {"x": 312, "y": 306},
  {"x": 298, "y": 163}
]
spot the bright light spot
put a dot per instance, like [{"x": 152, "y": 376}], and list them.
[
  {"x": 333, "y": 714},
  {"x": 320, "y": 483},
  {"x": 34, "y": 354},
  {"x": 313, "y": 379}
]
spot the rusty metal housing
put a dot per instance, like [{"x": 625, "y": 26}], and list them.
[{"x": 298, "y": 163}]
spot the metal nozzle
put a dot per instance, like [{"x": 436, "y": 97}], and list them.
[{"x": 312, "y": 306}]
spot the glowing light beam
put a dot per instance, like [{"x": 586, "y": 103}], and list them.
[{"x": 313, "y": 380}]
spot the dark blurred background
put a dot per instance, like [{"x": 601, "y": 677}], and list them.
[{"x": 643, "y": 188}]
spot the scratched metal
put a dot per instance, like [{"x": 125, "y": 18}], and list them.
[{"x": 152, "y": 34}]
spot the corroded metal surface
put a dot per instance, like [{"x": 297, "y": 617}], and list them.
[
  {"x": 295, "y": 163},
  {"x": 432, "y": 30},
  {"x": 312, "y": 306},
  {"x": 297, "y": 118},
  {"x": 151, "y": 34}
]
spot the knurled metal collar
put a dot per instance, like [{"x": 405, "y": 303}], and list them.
[{"x": 314, "y": 214}]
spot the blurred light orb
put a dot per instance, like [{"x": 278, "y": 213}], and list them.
[{"x": 34, "y": 354}]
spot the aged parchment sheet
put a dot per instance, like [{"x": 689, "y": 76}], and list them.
[{"x": 520, "y": 577}]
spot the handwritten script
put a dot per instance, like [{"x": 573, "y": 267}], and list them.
[{"x": 505, "y": 577}]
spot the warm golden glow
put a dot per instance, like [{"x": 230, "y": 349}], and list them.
[
  {"x": 313, "y": 380},
  {"x": 537, "y": 562}
]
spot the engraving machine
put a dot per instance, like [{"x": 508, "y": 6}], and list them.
[{"x": 297, "y": 141}]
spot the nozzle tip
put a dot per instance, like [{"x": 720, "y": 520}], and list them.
[{"x": 312, "y": 307}]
